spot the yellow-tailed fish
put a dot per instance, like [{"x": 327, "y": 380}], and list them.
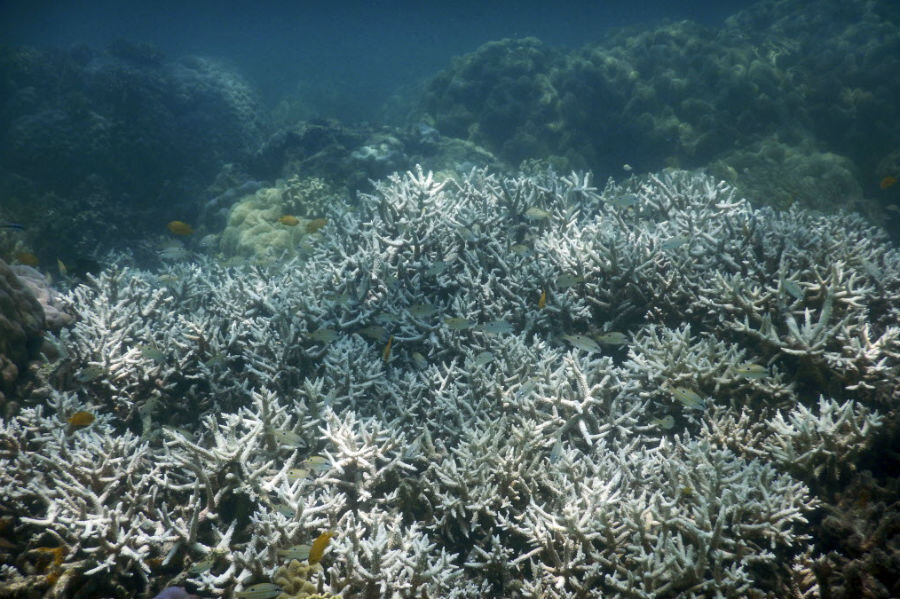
[
  {"x": 374, "y": 332},
  {"x": 466, "y": 234},
  {"x": 386, "y": 318},
  {"x": 317, "y": 463},
  {"x": 205, "y": 564},
  {"x": 436, "y": 268},
  {"x": 295, "y": 474},
  {"x": 297, "y": 552},
  {"x": 422, "y": 310},
  {"x": 566, "y": 280},
  {"x": 556, "y": 451},
  {"x": 153, "y": 353},
  {"x": 90, "y": 373},
  {"x": 263, "y": 590},
  {"x": 752, "y": 371},
  {"x": 690, "y": 398},
  {"x": 613, "y": 338},
  {"x": 419, "y": 360},
  {"x": 324, "y": 335},
  {"x": 794, "y": 288},
  {"x": 284, "y": 509},
  {"x": 536, "y": 214},
  {"x": 624, "y": 200},
  {"x": 665, "y": 423},
  {"x": 542, "y": 301},
  {"x": 495, "y": 327},
  {"x": 386, "y": 352},
  {"x": 289, "y": 438},
  {"x": 458, "y": 323},
  {"x": 289, "y": 219},
  {"x": 318, "y": 547},
  {"x": 483, "y": 358},
  {"x": 673, "y": 243},
  {"x": 582, "y": 342}
]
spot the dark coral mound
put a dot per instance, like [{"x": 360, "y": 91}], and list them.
[
  {"x": 94, "y": 144},
  {"x": 815, "y": 81}
]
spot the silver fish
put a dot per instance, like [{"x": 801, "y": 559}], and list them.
[
  {"x": 483, "y": 358},
  {"x": 583, "y": 342},
  {"x": 495, "y": 327},
  {"x": 263, "y": 590},
  {"x": 613, "y": 338}
]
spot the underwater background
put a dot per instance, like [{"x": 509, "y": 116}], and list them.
[{"x": 463, "y": 299}]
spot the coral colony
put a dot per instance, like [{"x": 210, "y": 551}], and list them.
[{"x": 471, "y": 386}]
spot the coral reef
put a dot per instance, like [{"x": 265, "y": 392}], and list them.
[
  {"x": 100, "y": 146},
  {"x": 21, "y": 326},
  {"x": 255, "y": 229},
  {"x": 483, "y": 386},
  {"x": 817, "y": 84}
]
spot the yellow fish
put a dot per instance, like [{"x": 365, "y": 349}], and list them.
[
  {"x": 316, "y": 224},
  {"x": 318, "y": 547},
  {"x": 317, "y": 463},
  {"x": 295, "y": 474},
  {"x": 177, "y": 227},
  {"x": 752, "y": 371},
  {"x": 542, "y": 301},
  {"x": 80, "y": 419},
  {"x": 289, "y": 220},
  {"x": 690, "y": 398},
  {"x": 297, "y": 552},
  {"x": 386, "y": 353},
  {"x": 887, "y": 182},
  {"x": 27, "y": 258}
]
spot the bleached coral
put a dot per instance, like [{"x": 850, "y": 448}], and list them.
[
  {"x": 827, "y": 442},
  {"x": 412, "y": 385}
]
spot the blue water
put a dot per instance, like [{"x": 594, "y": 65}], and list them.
[{"x": 348, "y": 57}]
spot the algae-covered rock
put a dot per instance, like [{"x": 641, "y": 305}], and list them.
[{"x": 780, "y": 174}]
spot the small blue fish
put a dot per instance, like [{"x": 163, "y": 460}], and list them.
[{"x": 12, "y": 226}]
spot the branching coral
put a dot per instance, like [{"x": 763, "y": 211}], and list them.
[{"x": 488, "y": 386}]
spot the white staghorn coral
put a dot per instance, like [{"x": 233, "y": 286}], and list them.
[
  {"x": 823, "y": 443},
  {"x": 484, "y": 387}
]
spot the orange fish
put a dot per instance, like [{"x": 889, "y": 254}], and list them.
[
  {"x": 888, "y": 181},
  {"x": 177, "y": 227},
  {"x": 289, "y": 220},
  {"x": 27, "y": 258},
  {"x": 57, "y": 553},
  {"x": 316, "y": 224},
  {"x": 318, "y": 547},
  {"x": 80, "y": 419}
]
